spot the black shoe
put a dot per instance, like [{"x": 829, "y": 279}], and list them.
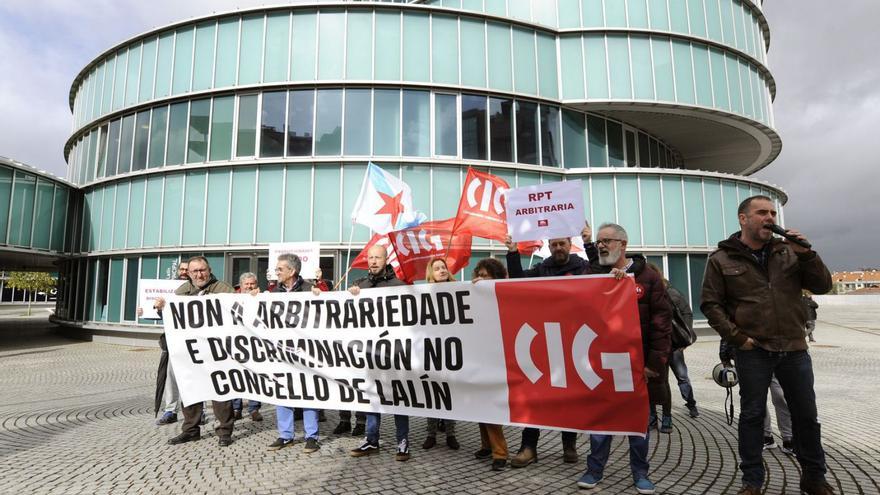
[
  {"x": 280, "y": 443},
  {"x": 167, "y": 418},
  {"x": 342, "y": 428},
  {"x": 183, "y": 438},
  {"x": 225, "y": 441},
  {"x": 452, "y": 443},
  {"x": 236, "y": 414},
  {"x": 569, "y": 454},
  {"x": 312, "y": 445},
  {"x": 787, "y": 447},
  {"x": 814, "y": 488},
  {"x": 430, "y": 442},
  {"x": 499, "y": 464},
  {"x": 769, "y": 443},
  {"x": 693, "y": 411},
  {"x": 358, "y": 430},
  {"x": 483, "y": 454},
  {"x": 367, "y": 448}
]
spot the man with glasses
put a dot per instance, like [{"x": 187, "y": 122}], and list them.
[
  {"x": 655, "y": 317},
  {"x": 201, "y": 283},
  {"x": 752, "y": 298},
  {"x": 287, "y": 271},
  {"x": 560, "y": 263}
]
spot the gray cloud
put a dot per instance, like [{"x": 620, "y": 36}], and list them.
[{"x": 827, "y": 108}]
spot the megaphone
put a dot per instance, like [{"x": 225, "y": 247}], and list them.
[{"x": 725, "y": 376}]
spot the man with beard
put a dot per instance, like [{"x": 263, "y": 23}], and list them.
[
  {"x": 381, "y": 274},
  {"x": 202, "y": 282},
  {"x": 655, "y": 317},
  {"x": 752, "y": 298},
  {"x": 560, "y": 263}
]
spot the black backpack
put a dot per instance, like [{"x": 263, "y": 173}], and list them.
[{"x": 682, "y": 335}]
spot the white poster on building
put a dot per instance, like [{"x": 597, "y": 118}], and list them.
[
  {"x": 308, "y": 252},
  {"x": 150, "y": 289},
  {"x": 545, "y": 211}
]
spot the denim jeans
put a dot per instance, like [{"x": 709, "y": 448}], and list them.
[
  {"x": 252, "y": 405},
  {"x": 401, "y": 426},
  {"x": 285, "y": 421},
  {"x": 600, "y": 448},
  {"x": 794, "y": 370},
  {"x": 680, "y": 370}
]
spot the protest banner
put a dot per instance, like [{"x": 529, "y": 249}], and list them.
[
  {"x": 308, "y": 252},
  {"x": 545, "y": 211},
  {"x": 553, "y": 353},
  {"x": 150, "y": 289},
  {"x": 415, "y": 246}
]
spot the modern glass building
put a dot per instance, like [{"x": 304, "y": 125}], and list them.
[{"x": 225, "y": 133}]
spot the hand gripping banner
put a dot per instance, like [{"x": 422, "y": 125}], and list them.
[{"x": 560, "y": 353}]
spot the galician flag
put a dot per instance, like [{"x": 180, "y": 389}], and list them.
[{"x": 385, "y": 203}]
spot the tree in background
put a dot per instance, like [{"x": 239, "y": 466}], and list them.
[{"x": 33, "y": 282}]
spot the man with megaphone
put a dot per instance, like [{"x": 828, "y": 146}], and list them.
[{"x": 752, "y": 298}]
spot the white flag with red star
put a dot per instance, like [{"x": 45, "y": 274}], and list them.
[{"x": 385, "y": 203}]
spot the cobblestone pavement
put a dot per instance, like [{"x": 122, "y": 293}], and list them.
[{"x": 76, "y": 417}]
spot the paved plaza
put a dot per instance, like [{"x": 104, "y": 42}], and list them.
[{"x": 77, "y": 418}]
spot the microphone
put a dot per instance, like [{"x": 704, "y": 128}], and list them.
[{"x": 776, "y": 229}]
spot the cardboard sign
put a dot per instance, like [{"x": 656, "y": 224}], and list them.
[
  {"x": 150, "y": 289},
  {"x": 545, "y": 211},
  {"x": 308, "y": 252}
]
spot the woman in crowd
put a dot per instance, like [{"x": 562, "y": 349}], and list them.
[{"x": 436, "y": 272}]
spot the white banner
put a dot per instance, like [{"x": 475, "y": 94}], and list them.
[
  {"x": 455, "y": 350},
  {"x": 150, "y": 289},
  {"x": 545, "y": 211},
  {"x": 308, "y": 252}
]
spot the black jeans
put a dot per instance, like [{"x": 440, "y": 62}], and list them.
[
  {"x": 794, "y": 370},
  {"x": 680, "y": 370},
  {"x": 530, "y": 438}
]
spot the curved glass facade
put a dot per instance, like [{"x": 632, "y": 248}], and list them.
[
  {"x": 221, "y": 135},
  {"x": 33, "y": 210}
]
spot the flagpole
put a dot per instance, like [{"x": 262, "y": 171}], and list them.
[{"x": 347, "y": 258}]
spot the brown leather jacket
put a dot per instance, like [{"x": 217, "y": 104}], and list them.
[{"x": 742, "y": 299}]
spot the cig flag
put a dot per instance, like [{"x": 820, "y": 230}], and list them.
[
  {"x": 415, "y": 246},
  {"x": 481, "y": 209},
  {"x": 385, "y": 203}
]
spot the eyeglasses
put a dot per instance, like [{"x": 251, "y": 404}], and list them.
[
  {"x": 198, "y": 270},
  {"x": 607, "y": 241}
]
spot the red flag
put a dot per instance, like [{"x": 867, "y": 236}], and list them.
[
  {"x": 528, "y": 247},
  {"x": 416, "y": 245},
  {"x": 481, "y": 209},
  {"x": 360, "y": 260}
]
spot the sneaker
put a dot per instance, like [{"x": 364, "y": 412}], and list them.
[
  {"x": 358, "y": 430},
  {"x": 236, "y": 414},
  {"x": 183, "y": 438},
  {"x": 569, "y": 454},
  {"x": 589, "y": 480},
  {"x": 167, "y": 418},
  {"x": 769, "y": 443},
  {"x": 499, "y": 464},
  {"x": 225, "y": 441},
  {"x": 402, "y": 451},
  {"x": 256, "y": 417},
  {"x": 452, "y": 442},
  {"x": 787, "y": 447},
  {"x": 644, "y": 485},
  {"x": 666, "y": 424},
  {"x": 342, "y": 428},
  {"x": 429, "y": 442},
  {"x": 693, "y": 411},
  {"x": 524, "y": 457},
  {"x": 312, "y": 445},
  {"x": 280, "y": 443},
  {"x": 483, "y": 454},
  {"x": 367, "y": 448}
]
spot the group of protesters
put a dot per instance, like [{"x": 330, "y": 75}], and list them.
[{"x": 751, "y": 296}]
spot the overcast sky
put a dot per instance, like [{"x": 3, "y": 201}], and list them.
[{"x": 823, "y": 56}]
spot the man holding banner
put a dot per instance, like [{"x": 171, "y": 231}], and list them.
[
  {"x": 381, "y": 274},
  {"x": 655, "y": 317},
  {"x": 202, "y": 282}
]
